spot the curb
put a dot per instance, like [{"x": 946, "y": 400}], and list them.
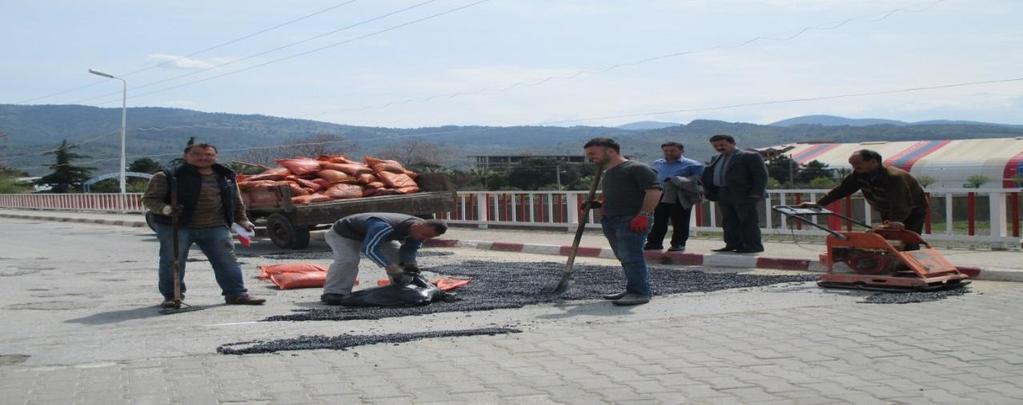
[
  {"x": 696, "y": 259},
  {"x": 116, "y": 222},
  {"x": 671, "y": 258}
]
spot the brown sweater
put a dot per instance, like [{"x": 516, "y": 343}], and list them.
[
  {"x": 891, "y": 191},
  {"x": 209, "y": 211}
]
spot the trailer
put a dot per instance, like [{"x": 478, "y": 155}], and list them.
[{"x": 288, "y": 225}]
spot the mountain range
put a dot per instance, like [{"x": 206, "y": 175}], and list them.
[{"x": 160, "y": 133}]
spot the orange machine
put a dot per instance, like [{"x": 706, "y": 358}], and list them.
[{"x": 880, "y": 258}]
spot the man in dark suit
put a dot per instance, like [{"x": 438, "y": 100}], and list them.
[{"x": 737, "y": 180}]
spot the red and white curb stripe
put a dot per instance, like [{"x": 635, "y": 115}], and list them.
[
  {"x": 101, "y": 221},
  {"x": 726, "y": 260}
]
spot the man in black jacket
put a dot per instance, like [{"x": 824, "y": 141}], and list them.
[
  {"x": 737, "y": 180},
  {"x": 208, "y": 203}
]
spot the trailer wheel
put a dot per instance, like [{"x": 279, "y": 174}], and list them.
[{"x": 285, "y": 234}]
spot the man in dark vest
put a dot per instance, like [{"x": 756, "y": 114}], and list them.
[
  {"x": 208, "y": 203},
  {"x": 737, "y": 180},
  {"x": 389, "y": 240}
]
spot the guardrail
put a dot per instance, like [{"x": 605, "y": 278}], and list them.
[{"x": 988, "y": 217}]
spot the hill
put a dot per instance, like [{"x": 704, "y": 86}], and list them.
[
  {"x": 161, "y": 132},
  {"x": 645, "y": 125}
]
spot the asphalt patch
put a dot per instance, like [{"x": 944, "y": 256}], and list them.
[
  {"x": 326, "y": 255},
  {"x": 345, "y": 341},
  {"x": 497, "y": 285},
  {"x": 906, "y": 297}
]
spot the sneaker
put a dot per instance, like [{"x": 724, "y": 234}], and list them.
[
  {"x": 652, "y": 247},
  {"x": 243, "y": 299},
  {"x": 333, "y": 299},
  {"x": 615, "y": 296},
  {"x": 677, "y": 248},
  {"x": 632, "y": 299},
  {"x": 725, "y": 249}
]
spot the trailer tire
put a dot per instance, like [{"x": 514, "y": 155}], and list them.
[{"x": 284, "y": 234}]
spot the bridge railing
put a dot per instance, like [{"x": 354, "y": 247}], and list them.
[{"x": 979, "y": 217}]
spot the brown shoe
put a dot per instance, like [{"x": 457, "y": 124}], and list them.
[
  {"x": 168, "y": 303},
  {"x": 243, "y": 299}
]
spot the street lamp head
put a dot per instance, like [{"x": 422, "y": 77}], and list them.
[{"x": 98, "y": 73}]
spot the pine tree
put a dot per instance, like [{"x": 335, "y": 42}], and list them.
[{"x": 65, "y": 177}]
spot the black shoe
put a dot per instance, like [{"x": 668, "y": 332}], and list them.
[
  {"x": 749, "y": 250},
  {"x": 168, "y": 303},
  {"x": 652, "y": 247},
  {"x": 725, "y": 249},
  {"x": 632, "y": 299},
  {"x": 333, "y": 299},
  {"x": 677, "y": 248},
  {"x": 615, "y": 296},
  {"x": 243, "y": 299}
]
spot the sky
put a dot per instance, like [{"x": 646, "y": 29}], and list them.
[{"x": 419, "y": 63}]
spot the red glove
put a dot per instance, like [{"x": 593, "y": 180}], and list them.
[{"x": 639, "y": 223}]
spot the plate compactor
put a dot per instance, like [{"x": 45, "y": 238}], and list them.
[{"x": 882, "y": 258}]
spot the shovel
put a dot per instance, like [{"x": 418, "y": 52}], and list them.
[
  {"x": 566, "y": 277},
  {"x": 176, "y": 244}
]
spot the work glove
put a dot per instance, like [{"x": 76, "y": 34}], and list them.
[
  {"x": 639, "y": 223},
  {"x": 398, "y": 276},
  {"x": 592, "y": 205}
]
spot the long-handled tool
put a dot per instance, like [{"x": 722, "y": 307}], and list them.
[
  {"x": 176, "y": 245},
  {"x": 566, "y": 277}
]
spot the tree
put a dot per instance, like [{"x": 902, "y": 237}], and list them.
[
  {"x": 814, "y": 170},
  {"x": 66, "y": 177},
  {"x": 144, "y": 165},
  {"x": 926, "y": 181},
  {"x": 977, "y": 180},
  {"x": 9, "y": 180},
  {"x": 415, "y": 151},
  {"x": 822, "y": 183},
  {"x": 783, "y": 169}
]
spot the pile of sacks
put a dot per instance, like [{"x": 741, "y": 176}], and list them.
[{"x": 334, "y": 178}]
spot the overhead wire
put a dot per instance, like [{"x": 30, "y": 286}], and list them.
[
  {"x": 314, "y": 50},
  {"x": 198, "y": 52}
]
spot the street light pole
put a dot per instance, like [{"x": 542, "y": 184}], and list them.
[{"x": 124, "y": 118}]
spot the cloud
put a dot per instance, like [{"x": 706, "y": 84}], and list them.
[{"x": 180, "y": 62}]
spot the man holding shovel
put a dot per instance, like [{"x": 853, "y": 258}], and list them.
[
  {"x": 631, "y": 193},
  {"x": 196, "y": 203}
]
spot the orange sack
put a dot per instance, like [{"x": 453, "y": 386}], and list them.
[
  {"x": 270, "y": 269},
  {"x": 296, "y": 189},
  {"x": 395, "y": 180},
  {"x": 309, "y": 184},
  {"x": 351, "y": 169},
  {"x": 322, "y": 182},
  {"x": 336, "y": 176},
  {"x": 343, "y": 190},
  {"x": 333, "y": 159},
  {"x": 300, "y": 166},
  {"x": 276, "y": 173},
  {"x": 367, "y": 178},
  {"x": 380, "y": 165},
  {"x": 287, "y": 281},
  {"x": 311, "y": 198},
  {"x": 409, "y": 190}
]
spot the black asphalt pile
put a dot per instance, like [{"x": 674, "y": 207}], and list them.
[
  {"x": 343, "y": 342},
  {"x": 906, "y": 297},
  {"x": 497, "y": 285}
]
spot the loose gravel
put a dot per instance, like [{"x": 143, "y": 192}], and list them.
[
  {"x": 913, "y": 297},
  {"x": 345, "y": 341},
  {"x": 497, "y": 285}
]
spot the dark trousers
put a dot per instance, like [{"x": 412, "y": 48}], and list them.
[
  {"x": 741, "y": 224},
  {"x": 915, "y": 221},
  {"x": 679, "y": 225}
]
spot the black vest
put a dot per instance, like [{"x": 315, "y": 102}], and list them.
[{"x": 189, "y": 183}]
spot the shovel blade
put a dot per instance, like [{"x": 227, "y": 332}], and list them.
[{"x": 563, "y": 285}]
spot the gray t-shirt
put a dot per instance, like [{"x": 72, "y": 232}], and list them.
[{"x": 625, "y": 186}]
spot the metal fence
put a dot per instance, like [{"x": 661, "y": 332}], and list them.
[{"x": 981, "y": 217}]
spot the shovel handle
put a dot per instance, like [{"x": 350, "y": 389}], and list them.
[{"x": 582, "y": 220}]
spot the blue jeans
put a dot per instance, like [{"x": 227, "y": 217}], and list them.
[
  {"x": 628, "y": 248},
  {"x": 215, "y": 243}
]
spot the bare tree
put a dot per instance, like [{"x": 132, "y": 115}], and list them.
[
  {"x": 415, "y": 151},
  {"x": 311, "y": 146}
]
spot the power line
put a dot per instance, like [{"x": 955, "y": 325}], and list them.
[
  {"x": 790, "y": 100},
  {"x": 779, "y": 37},
  {"x": 201, "y": 51},
  {"x": 272, "y": 61}
]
